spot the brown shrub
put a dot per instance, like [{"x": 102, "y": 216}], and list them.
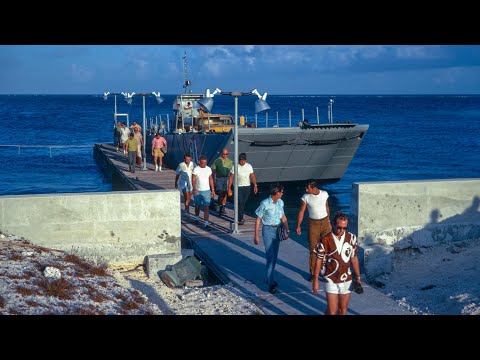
[
  {"x": 59, "y": 288},
  {"x": 2, "y": 302},
  {"x": 129, "y": 305},
  {"x": 32, "y": 303},
  {"x": 138, "y": 297},
  {"x": 98, "y": 297},
  {"x": 103, "y": 284},
  {"x": 81, "y": 311},
  {"x": 121, "y": 297},
  {"x": 85, "y": 268},
  {"x": 26, "y": 292},
  {"x": 29, "y": 274},
  {"x": 90, "y": 289},
  {"x": 15, "y": 257},
  {"x": 99, "y": 270}
]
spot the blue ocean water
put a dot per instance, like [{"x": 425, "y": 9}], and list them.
[{"x": 410, "y": 137}]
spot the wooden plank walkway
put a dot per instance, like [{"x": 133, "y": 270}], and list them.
[{"x": 237, "y": 260}]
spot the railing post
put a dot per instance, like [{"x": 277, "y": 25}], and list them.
[
  {"x": 318, "y": 117},
  {"x": 277, "y": 118},
  {"x": 290, "y": 117},
  {"x": 303, "y": 115}
]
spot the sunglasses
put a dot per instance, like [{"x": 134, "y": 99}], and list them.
[{"x": 341, "y": 228}]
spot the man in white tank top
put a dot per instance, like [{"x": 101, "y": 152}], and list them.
[{"x": 316, "y": 201}]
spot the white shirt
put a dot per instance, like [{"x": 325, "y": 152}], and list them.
[
  {"x": 243, "y": 174},
  {"x": 316, "y": 204},
  {"x": 185, "y": 171},
  {"x": 202, "y": 175}
]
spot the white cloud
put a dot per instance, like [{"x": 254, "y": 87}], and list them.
[
  {"x": 213, "y": 67},
  {"x": 81, "y": 73},
  {"x": 418, "y": 52}
]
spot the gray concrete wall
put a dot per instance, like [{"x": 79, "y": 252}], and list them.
[
  {"x": 398, "y": 215},
  {"x": 118, "y": 227}
]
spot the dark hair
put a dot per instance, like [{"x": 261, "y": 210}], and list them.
[
  {"x": 202, "y": 157},
  {"x": 242, "y": 156},
  {"x": 339, "y": 215},
  {"x": 276, "y": 188},
  {"x": 312, "y": 183},
  {"x": 131, "y": 134},
  {"x": 187, "y": 155}
]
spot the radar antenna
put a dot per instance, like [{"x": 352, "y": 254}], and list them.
[{"x": 187, "y": 82}]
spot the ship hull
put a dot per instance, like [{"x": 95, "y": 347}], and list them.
[{"x": 320, "y": 152}]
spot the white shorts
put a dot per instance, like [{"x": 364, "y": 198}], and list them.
[{"x": 340, "y": 288}]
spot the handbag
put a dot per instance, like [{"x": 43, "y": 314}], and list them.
[
  {"x": 282, "y": 232},
  {"x": 357, "y": 287},
  {"x": 164, "y": 149}
]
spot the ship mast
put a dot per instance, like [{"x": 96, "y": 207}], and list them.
[{"x": 187, "y": 82}]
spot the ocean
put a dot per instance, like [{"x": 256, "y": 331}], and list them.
[{"x": 410, "y": 138}]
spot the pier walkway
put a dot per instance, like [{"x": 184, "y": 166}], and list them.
[{"x": 236, "y": 259}]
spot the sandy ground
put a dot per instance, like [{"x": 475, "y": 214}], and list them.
[{"x": 440, "y": 280}]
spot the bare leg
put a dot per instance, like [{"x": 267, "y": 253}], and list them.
[
  {"x": 343, "y": 303},
  {"x": 332, "y": 304},
  {"x": 205, "y": 213},
  {"x": 187, "y": 195}
]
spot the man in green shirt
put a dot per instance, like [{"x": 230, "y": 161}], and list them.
[
  {"x": 132, "y": 144},
  {"x": 221, "y": 171}
]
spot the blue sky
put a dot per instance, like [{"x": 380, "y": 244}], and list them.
[{"x": 276, "y": 69}]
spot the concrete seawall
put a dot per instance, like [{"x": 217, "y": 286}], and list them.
[
  {"x": 118, "y": 227},
  {"x": 401, "y": 215}
]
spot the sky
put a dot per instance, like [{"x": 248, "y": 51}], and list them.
[{"x": 276, "y": 69}]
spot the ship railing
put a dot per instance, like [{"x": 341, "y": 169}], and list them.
[{"x": 164, "y": 123}]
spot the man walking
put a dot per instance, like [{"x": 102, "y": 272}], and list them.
[
  {"x": 158, "y": 143},
  {"x": 221, "y": 170},
  {"x": 336, "y": 254},
  {"x": 132, "y": 144},
  {"x": 184, "y": 173},
  {"x": 246, "y": 177},
  {"x": 203, "y": 189},
  {"x": 316, "y": 201},
  {"x": 272, "y": 215}
]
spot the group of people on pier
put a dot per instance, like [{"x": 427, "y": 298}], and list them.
[{"x": 332, "y": 249}]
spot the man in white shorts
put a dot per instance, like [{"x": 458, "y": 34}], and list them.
[
  {"x": 184, "y": 173},
  {"x": 337, "y": 251}
]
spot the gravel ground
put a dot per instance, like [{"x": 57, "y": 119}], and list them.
[{"x": 39, "y": 281}]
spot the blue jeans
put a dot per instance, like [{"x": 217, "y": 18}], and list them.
[{"x": 272, "y": 244}]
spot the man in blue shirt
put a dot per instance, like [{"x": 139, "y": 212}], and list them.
[{"x": 271, "y": 214}]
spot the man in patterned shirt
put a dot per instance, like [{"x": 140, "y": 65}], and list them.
[{"x": 336, "y": 251}]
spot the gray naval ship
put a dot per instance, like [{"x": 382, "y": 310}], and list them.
[{"x": 284, "y": 154}]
